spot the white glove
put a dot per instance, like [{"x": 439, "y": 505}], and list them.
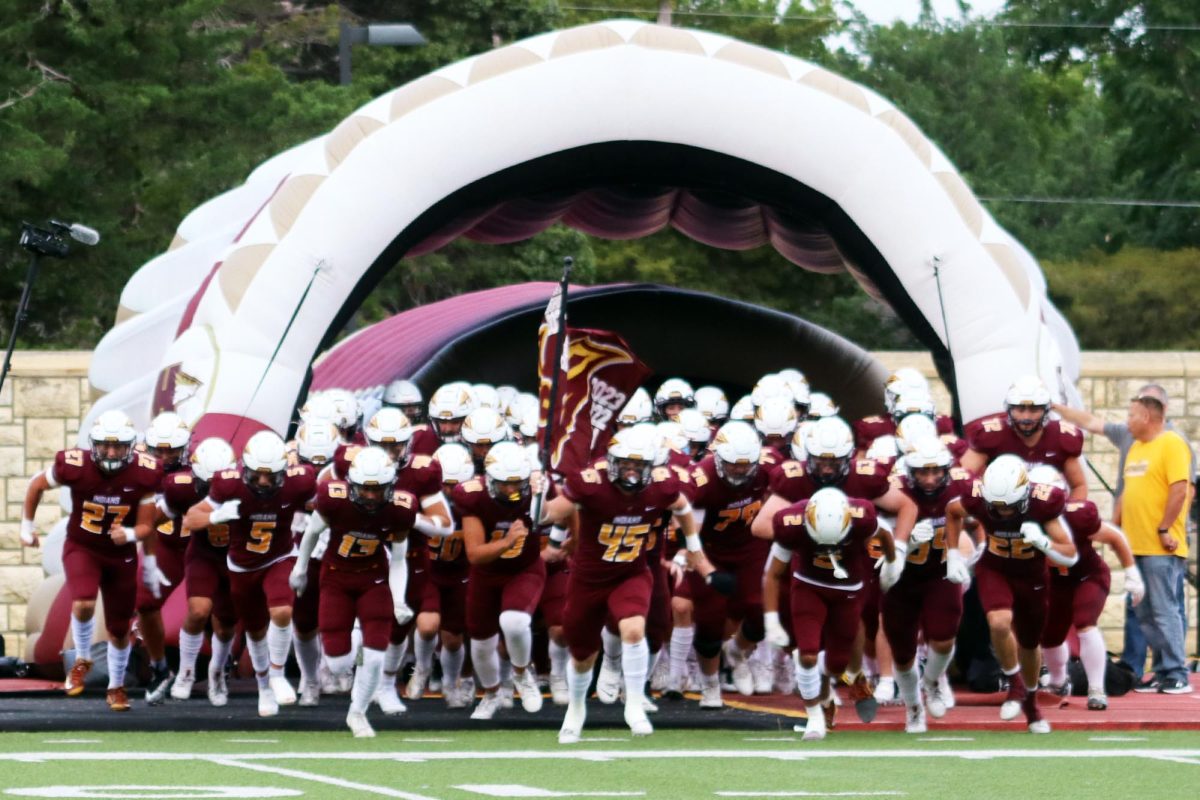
[
  {"x": 1134, "y": 584},
  {"x": 298, "y": 579},
  {"x": 956, "y": 568},
  {"x": 776, "y": 635},
  {"x": 1033, "y": 535},
  {"x": 152, "y": 577},
  {"x": 403, "y": 613},
  {"x": 922, "y": 532},
  {"x": 227, "y": 511},
  {"x": 29, "y": 536},
  {"x": 980, "y": 547},
  {"x": 890, "y": 574}
]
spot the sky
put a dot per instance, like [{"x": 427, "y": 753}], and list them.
[{"x": 885, "y": 11}]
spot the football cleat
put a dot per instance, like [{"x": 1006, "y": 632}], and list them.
[
  {"x": 885, "y": 692},
  {"x": 527, "y": 688},
  {"x": 76, "y": 677},
  {"x": 506, "y": 693},
  {"x": 710, "y": 696},
  {"x": 608, "y": 684},
  {"x": 389, "y": 701},
  {"x": 863, "y": 698},
  {"x": 559, "y": 694},
  {"x": 285, "y": 695},
  {"x": 310, "y": 694},
  {"x": 1017, "y": 694},
  {"x": 947, "y": 693},
  {"x": 117, "y": 699},
  {"x": 268, "y": 706},
  {"x": 1097, "y": 700},
  {"x": 815, "y": 725},
  {"x": 572, "y": 725},
  {"x": 159, "y": 686},
  {"x": 935, "y": 700},
  {"x": 218, "y": 689},
  {"x": 648, "y": 704},
  {"x": 1060, "y": 689},
  {"x": 636, "y": 719},
  {"x": 357, "y": 722},
  {"x": 914, "y": 719},
  {"x": 488, "y": 706},
  {"x": 417, "y": 684},
  {"x": 674, "y": 689},
  {"x": 181, "y": 689},
  {"x": 743, "y": 679},
  {"x": 764, "y": 677}
]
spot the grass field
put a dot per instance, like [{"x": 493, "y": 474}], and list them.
[{"x": 671, "y": 764}]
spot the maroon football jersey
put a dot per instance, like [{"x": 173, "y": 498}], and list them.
[
  {"x": 994, "y": 436},
  {"x": 473, "y": 500},
  {"x": 614, "y": 527},
  {"x": 1006, "y": 551},
  {"x": 728, "y": 510},
  {"x": 1083, "y": 522},
  {"x": 100, "y": 501},
  {"x": 927, "y": 560},
  {"x": 868, "y": 479},
  {"x": 868, "y": 429},
  {"x": 178, "y": 494},
  {"x": 812, "y": 562},
  {"x": 448, "y": 557},
  {"x": 357, "y": 538},
  {"x": 424, "y": 441},
  {"x": 262, "y": 533}
]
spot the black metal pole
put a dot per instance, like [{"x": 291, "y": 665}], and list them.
[
  {"x": 22, "y": 307},
  {"x": 551, "y": 408}
]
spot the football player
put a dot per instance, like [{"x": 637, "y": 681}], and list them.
[
  {"x": 404, "y": 395},
  {"x": 673, "y": 396}
]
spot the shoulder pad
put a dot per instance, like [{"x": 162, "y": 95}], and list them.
[
  {"x": 421, "y": 462},
  {"x": 181, "y": 477},
  {"x": 871, "y": 420},
  {"x": 472, "y": 486},
  {"x": 660, "y": 474},
  {"x": 960, "y": 474},
  {"x": 229, "y": 473}
]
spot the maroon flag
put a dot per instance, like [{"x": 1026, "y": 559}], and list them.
[{"x": 598, "y": 373}]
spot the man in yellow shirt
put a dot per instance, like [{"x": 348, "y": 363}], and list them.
[{"x": 1153, "y": 512}]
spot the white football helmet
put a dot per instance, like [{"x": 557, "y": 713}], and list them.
[
  {"x": 486, "y": 396},
  {"x": 1028, "y": 391},
  {"x": 506, "y": 394},
  {"x": 821, "y": 405},
  {"x": 346, "y": 411},
  {"x": 913, "y": 429},
  {"x": 456, "y": 463},
  {"x": 371, "y": 477},
  {"x": 638, "y": 409},
  {"x": 670, "y": 437},
  {"x": 508, "y": 469},
  {"x": 928, "y": 453},
  {"x": 317, "y": 442},
  {"x": 406, "y": 396},
  {"x": 743, "y": 410},
  {"x": 695, "y": 427},
  {"x": 769, "y": 386},
  {"x": 913, "y": 401},
  {"x": 484, "y": 426},
  {"x": 673, "y": 391},
  {"x": 776, "y": 416},
  {"x": 827, "y": 517},
  {"x": 531, "y": 411},
  {"x": 211, "y": 456},
  {"x": 167, "y": 438},
  {"x": 1006, "y": 484},
  {"x": 884, "y": 448},
  {"x": 390, "y": 430},
  {"x": 631, "y": 456},
  {"x": 448, "y": 407},
  {"x": 112, "y": 437},
  {"x": 801, "y": 393},
  {"x": 1047, "y": 475},
  {"x": 900, "y": 381},
  {"x": 829, "y": 449},
  {"x": 264, "y": 460},
  {"x": 318, "y": 407},
  {"x": 713, "y": 404},
  {"x": 736, "y": 450},
  {"x": 797, "y": 446}
]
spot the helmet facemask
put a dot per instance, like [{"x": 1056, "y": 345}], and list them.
[
  {"x": 509, "y": 492},
  {"x": 262, "y": 483},
  {"x": 828, "y": 470},
  {"x": 735, "y": 474},
  {"x": 1025, "y": 423},
  {"x": 112, "y": 456},
  {"x": 929, "y": 487},
  {"x": 449, "y": 430},
  {"x": 370, "y": 497},
  {"x": 629, "y": 474}
]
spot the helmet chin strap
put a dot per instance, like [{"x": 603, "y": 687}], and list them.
[{"x": 839, "y": 572}]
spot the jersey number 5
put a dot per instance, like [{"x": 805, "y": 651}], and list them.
[
  {"x": 622, "y": 543},
  {"x": 261, "y": 534}
]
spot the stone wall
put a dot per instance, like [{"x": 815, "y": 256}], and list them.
[{"x": 47, "y": 394}]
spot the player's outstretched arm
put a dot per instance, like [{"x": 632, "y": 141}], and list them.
[
  {"x": 38, "y": 485},
  {"x": 1076, "y": 479}
]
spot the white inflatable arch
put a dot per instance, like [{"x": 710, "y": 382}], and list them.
[{"x": 617, "y": 128}]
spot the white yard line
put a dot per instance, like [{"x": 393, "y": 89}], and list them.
[
  {"x": 810, "y": 794},
  {"x": 1179, "y": 760},
  {"x": 70, "y": 741},
  {"x": 520, "y": 790},
  {"x": 253, "y": 741},
  {"x": 312, "y": 776},
  {"x": 1118, "y": 738},
  {"x": 569, "y": 754}
]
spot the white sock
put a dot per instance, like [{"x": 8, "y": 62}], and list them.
[
  {"x": 870, "y": 665},
  {"x": 681, "y": 645},
  {"x": 82, "y": 633},
  {"x": 308, "y": 656},
  {"x": 710, "y": 681},
  {"x": 355, "y": 638},
  {"x": 635, "y": 662},
  {"x": 118, "y": 659},
  {"x": 279, "y": 642},
  {"x": 220, "y": 653},
  {"x": 506, "y": 669},
  {"x": 189, "y": 650},
  {"x": 936, "y": 664},
  {"x": 612, "y": 648},
  {"x": 907, "y": 680},
  {"x": 260, "y": 659},
  {"x": 486, "y": 661},
  {"x": 518, "y": 636},
  {"x": 366, "y": 679},
  {"x": 1094, "y": 657},
  {"x": 340, "y": 665},
  {"x": 808, "y": 679},
  {"x": 452, "y": 664},
  {"x": 559, "y": 658},
  {"x": 577, "y": 684},
  {"x": 1056, "y": 663},
  {"x": 423, "y": 651},
  {"x": 393, "y": 656}
]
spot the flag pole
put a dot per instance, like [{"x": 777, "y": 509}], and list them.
[{"x": 552, "y": 405}]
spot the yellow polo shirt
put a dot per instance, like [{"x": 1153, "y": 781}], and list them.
[{"x": 1150, "y": 468}]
